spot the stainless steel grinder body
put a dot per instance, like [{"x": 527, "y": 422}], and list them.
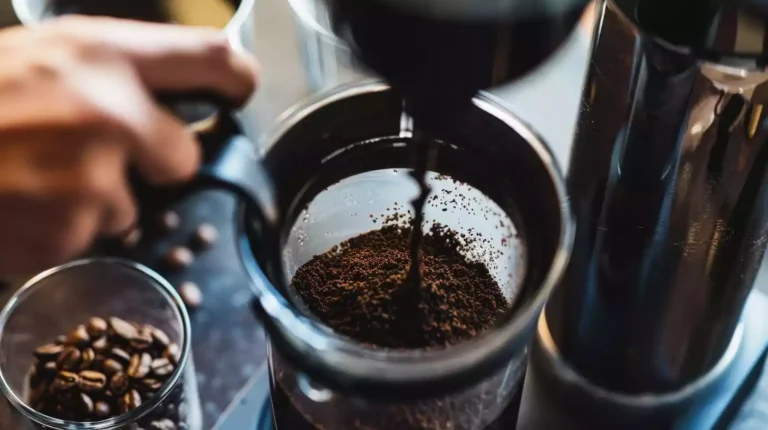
[{"x": 667, "y": 182}]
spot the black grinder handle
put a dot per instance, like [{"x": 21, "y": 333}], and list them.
[{"x": 230, "y": 161}]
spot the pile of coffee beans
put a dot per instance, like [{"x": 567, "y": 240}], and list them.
[{"x": 105, "y": 368}]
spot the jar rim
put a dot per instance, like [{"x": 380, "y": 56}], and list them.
[
  {"x": 331, "y": 350},
  {"x": 163, "y": 287}
]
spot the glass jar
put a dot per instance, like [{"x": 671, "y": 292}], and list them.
[
  {"x": 339, "y": 164},
  {"x": 59, "y": 300}
]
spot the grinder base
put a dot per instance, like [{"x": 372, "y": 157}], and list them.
[{"x": 572, "y": 403}]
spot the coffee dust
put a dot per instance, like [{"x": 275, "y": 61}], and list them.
[{"x": 357, "y": 289}]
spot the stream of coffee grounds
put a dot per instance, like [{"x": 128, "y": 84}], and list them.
[{"x": 356, "y": 289}]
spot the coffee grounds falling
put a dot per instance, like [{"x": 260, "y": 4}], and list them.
[{"x": 356, "y": 289}]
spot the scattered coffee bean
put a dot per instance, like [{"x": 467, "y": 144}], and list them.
[
  {"x": 87, "y": 358},
  {"x": 112, "y": 367},
  {"x": 119, "y": 383},
  {"x": 139, "y": 366},
  {"x": 104, "y": 368},
  {"x": 97, "y": 327},
  {"x": 172, "y": 353},
  {"x": 132, "y": 238},
  {"x": 169, "y": 221},
  {"x": 206, "y": 236},
  {"x": 179, "y": 258},
  {"x": 79, "y": 337},
  {"x": 69, "y": 359},
  {"x": 91, "y": 381},
  {"x": 48, "y": 352},
  {"x": 64, "y": 381},
  {"x": 122, "y": 329},
  {"x": 130, "y": 401},
  {"x": 191, "y": 295},
  {"x": 162, "y": 367},
  {"x": 102, "y": 410}
]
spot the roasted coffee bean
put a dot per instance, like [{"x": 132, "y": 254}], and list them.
[
  {"x": 159, "y": 337},
  {"x": 101, "y": 410},
  {"x": 101, "y": 344},
  {"x": 64, "y": 413},
  {"x": 85, "y": 404},
  {"x": 91, "y": 381},
  {"x": 173, "y": 353},
  {"x": 121, "y": 356},
  {"x": 48, "y": 352},
  {"x": 49, "y": 368},
  {"x": 151, "y": 384},
  {"x": 79, "y": 337},
  {"x": 60, "y": 340},
  {"x": 97, "y": 327},
  {"x": 88, "y": 357},
  {"x": 169, "y": 221},
  {"x": 119, "y": 383},
  {"x": 69, "y": 359},
  {"x": 39, "y": 392},
  {"x": 179, "y": 258},
  {"x": 132, "y": 238},
  {"x": 162, "y": 367},
  {"x": 112, "y": 367},
  {"x": 191, "y": 295},
  {"x": 139, "y": 366},
  {"x": 206, "y": 236},
  {"x": 142, "y": 340},
  {"x": 64, "y": 381},
  {"x": 34, "y": 376},
  {"x": 164, "y": 424},
  {"x": 129, "y": 401},
  {"x": 121, "y": 329}
]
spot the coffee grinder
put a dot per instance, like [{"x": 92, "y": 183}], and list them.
[{"x": 656, "y": 324}]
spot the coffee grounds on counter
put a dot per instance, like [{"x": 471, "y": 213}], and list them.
[{"x": 357, "y": 289}]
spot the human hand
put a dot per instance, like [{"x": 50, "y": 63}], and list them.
[{"x": 77, "y": 109}]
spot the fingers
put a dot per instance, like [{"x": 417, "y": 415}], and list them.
[
  {"x": 165, "y": 151},
  {"x": 175, "y": 58},
  {"x": 53, "y": 240}
]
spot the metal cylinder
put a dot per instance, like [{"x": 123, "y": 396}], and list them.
[{"x": 667, "y": 181}]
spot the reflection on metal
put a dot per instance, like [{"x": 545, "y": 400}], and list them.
[{"x": 669, "y": 183}]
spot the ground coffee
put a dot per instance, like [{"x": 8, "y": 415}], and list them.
[{"x": 357, "y": 289}]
